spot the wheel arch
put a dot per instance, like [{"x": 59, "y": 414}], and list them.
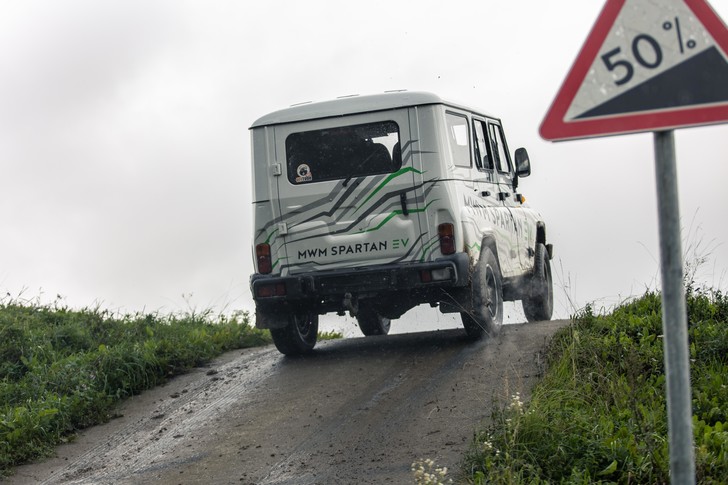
[
  {"x": 541, "y": 238},
  {"x": 488, "y": 242}
]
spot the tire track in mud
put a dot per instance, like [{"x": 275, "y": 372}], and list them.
[
  {"x": 359, "y": 410},
  {"x": 134, "y": 447},
  {"x": 288, "y": 471}
]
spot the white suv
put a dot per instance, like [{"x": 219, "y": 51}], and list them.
[{"x": 376, "y": 204}]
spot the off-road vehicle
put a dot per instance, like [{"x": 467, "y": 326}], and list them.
[{"x": 375, "y": 204}]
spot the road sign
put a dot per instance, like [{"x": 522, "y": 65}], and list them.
[{"x": 646, "y": 66}]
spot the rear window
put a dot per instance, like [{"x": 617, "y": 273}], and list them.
[{"x": 343, "y": 152}]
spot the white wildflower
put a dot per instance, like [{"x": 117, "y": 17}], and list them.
[{"x": 426, "y": 473}]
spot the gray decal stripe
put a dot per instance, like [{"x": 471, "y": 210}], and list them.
[
  {"x": 419, "y": 200},
  {"x": 328, "y": 214},
  {"x": 407, "y": 154},
  {"x": 376, "y": 205},
  {"x": 410, "y": 155},
  {"x": 456, "y": 180},
  {"x": 322, "y": 201},
  {"x": 334, "y": 208},
  {"x": 412, "y": 248},
  {"x": 385, "y": 210},
  {"x": 432, "y": 185},
  {"x": 371, "y": 209},
  {"x": 368, "y": 188},
  {"x": 373, "y": 182}
]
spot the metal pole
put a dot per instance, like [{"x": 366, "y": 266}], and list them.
[{"x": 674, "y": 315}]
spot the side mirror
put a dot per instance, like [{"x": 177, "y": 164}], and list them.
[{"x": 523, "y": 164}]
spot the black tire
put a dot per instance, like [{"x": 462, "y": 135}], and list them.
[
  {"x": 371, "y": 322},
  {"x": 538, "y": 303},
  {"x": 299, "y": 337},
  {"x": 486, "y": 317}
]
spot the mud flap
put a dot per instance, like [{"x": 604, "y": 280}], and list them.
[
  {"x": 456, "y": 300},
  {"x": 268, "y": 319}
]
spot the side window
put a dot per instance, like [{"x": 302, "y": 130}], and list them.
[
  {"x": 458, "y": 137},
  {"x": 498, "y": 143},
  {"x": 483, "y": 160}
]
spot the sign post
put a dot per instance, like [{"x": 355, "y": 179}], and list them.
[
  {"x": 674, "y": 314},
  {"x": 653, "y": 66}
]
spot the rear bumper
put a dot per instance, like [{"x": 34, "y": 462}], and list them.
[{"x": 448, "y": 272}]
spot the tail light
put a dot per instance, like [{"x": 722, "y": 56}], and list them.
[
  {"x": 267, "y": 291},
  {"x": 263, "y": 259},
  {"x": 446, "y": 232}
]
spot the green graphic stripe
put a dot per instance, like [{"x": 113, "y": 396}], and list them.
[
  {"x": 267, "y": 241},
  {"x": 396, "y": 213},
  {"x": 386, "y": 181},
  {"x": 475, "y": 245}
]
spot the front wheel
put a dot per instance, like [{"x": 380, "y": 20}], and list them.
[
  {"x": 486, "y": 317},
  {"x": 299, "y": 336},
  {"x": 538, "y": 303}
]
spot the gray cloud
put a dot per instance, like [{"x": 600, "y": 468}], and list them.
[{"x": 124, "y": 153}]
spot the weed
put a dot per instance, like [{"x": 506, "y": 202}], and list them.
[
  {"x": 332, "y": 335},
  {"x": 599, "y": 414},
  {"x": 425, "y": 472},
  {"x": 63, "y": 370}
]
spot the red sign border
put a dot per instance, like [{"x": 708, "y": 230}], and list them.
[{"x": 554, "y": 128}]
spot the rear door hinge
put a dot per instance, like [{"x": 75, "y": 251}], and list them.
[
  {"x": 282, "y": 228},
  {"x": 277, "y": 169}
]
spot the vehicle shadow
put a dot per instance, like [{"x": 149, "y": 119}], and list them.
[{"x": 379, "y": 346}]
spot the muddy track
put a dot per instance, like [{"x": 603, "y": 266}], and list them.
[{"x": 357, "y": 411}]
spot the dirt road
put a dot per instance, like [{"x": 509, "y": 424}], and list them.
[{"x": 360, "y": 410}]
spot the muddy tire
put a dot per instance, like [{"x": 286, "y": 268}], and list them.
[
  {"x": 538, "y": 303},
  {"x": 299, "y": 337},
  {"x": 486, "y": 317},
  {"x": 371, "y": 322}
]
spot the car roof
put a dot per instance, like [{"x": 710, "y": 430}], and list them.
[{"x": 352, "y": 105}]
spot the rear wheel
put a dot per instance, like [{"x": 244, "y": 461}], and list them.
[
  {"x": 371, "y": 322},
  {"x": 299, "y": 337},
  {"x": 538, "y": 303},
  {"x": 486, "y": 317}
]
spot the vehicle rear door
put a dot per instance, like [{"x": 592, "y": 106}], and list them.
[{"x": 347, "y": 196}]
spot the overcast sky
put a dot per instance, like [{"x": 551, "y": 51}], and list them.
[{"x": 125, "y": 154}]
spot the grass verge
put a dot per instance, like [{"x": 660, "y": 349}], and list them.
[
  {"x": 599, "y": 414},
  {"x": 63, "y": 370}
]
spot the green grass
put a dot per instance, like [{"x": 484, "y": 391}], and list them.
[
  {"x": 63, "y": 370},
  {"x": 599, "y": 414}
]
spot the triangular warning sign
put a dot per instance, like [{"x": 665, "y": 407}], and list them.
[{"x": 646, "y": 66}]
